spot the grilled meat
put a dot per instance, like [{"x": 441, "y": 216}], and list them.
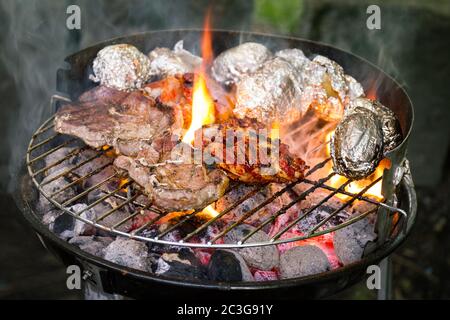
[
  {"x": 248, "y": 155},
  {"x": 176, "y": 184},
  {"x": 126, "y": 121}
]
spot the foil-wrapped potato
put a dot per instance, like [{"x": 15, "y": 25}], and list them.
[
  {"x": 166, "y": 62},
  {"x": 270, "y": 94},
  {"x": 122, "y": 67},
  {"x": 357, "y": 145},
  {"x": 231, "y": 65},
  {"x": 392, "y": 133}
]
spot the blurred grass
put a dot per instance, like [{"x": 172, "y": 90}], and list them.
[{"x": 281, "y": 15}]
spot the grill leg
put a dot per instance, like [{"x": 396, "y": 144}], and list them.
[{"x": 385, "y": 292}]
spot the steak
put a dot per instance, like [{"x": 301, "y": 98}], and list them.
[
  {"x": 248, "y": 155},
  {"x": 176, "y": 183},
  {"x": 126, "y": 121}
]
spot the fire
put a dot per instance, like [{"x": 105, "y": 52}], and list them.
[
  {"x": 202, "y": 103},
  {"x": 202, "y": 108},
  {"x": 210, "y": 212},
  {"x": 357, "y": 186}
]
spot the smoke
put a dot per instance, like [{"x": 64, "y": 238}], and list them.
[{"x": 37, "y": 41}]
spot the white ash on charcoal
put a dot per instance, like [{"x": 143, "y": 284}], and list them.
[
  {"x": 91, "y": 166},
  {"x": 262, "y": 257},
  {"x": 62, "y": 224},
  {"x": 56, "y": 157},
  {"x": 129, "y": 253},
  {"x": 122, "y": 67},
  {"x": 107, "y": 205},
  {"x": 66, "y": 226},
  {"x": 229, "y": 266},
  {"x": 92, "y": 244},
  {"x": 172, "y": 236},
  {"x": 54, "y": 186},
  {"x": 320, "y": 214},
  {"x": 303, "y": 261},
  {"x": 237, "y": 193},
  {"x": 165, "y": 62},
  {"x": 231, "y": 65},
  {"x": 350, "y": 242},
  {"x": 182, "y": 265},
  {"x": 357, "y": 145}
]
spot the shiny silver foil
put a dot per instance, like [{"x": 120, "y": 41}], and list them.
[
  {"x": 296, "y": 57},
  {"x": 392, "y": 134},
  {"x": 166, "y": 62},
  {"x": 270, "y": 94},
  {"x": 326, "y": 88},
  {"x": 333, "y": 73},
  {"x": 231, "y": 65},
  {"x": 357, "y": 145},
  {"x": 121, "y": 67}
]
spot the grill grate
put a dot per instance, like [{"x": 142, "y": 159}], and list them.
[{"x": 45, "y": 142}]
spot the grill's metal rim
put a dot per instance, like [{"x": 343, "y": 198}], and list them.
[{"x": 47, "y": 126}]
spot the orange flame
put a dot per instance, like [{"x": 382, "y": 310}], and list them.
[
  {"x": 210, "y": 212},
  {"x": 202, "y": 103},
  {"x": 357, "y": 186}
]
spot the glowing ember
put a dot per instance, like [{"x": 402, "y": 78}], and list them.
[{"x": 210, "y": 212}]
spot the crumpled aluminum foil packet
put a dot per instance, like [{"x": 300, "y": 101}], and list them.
[
  {"x": 392, "y": 133},
  {"x": 122, "y": 67},
  {"x": 165, "y": 62},
  {"x": 233, "y": 64},
  {"x": 357, "y": 144}
]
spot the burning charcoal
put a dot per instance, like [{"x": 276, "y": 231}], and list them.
[
  {"x": 226, "y": 265},
  {"x": 262, "y": 257},
  {"x": 318, "y": 215},
  {"x": 265, "y": 275},
  {"x": 80, "y": 228},
  {"x": 231, "y": 65},
  {"x": 165, "y": 62},
  {"x": 55, "y": 157},
  {"x": 56, "y": 185},
  {"x": 237, "y": 193},
  {"x": 349, "y": 242},
  {"x": 66, "y": 226},
  {"x": 392, "y": 134},
  {"x": 122, "y": 67},
  {"x": 270, "y": 94},
  {"x": 129, "y": 253},
  {"x": 303, "y": 261},
  {"x": 105, "y": 206},
  {"x": 60, "y": 223},
  {"x": 357, "y": 145},
  {"x": 92, "y": 165},
  {"x": 93, "y": 245},
  {"x": 182, "y": 265}
]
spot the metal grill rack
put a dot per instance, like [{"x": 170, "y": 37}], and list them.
[{"x": 45, "y": 142}]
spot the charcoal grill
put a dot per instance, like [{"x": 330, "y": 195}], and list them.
[{"x": 396, "y": 215}]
